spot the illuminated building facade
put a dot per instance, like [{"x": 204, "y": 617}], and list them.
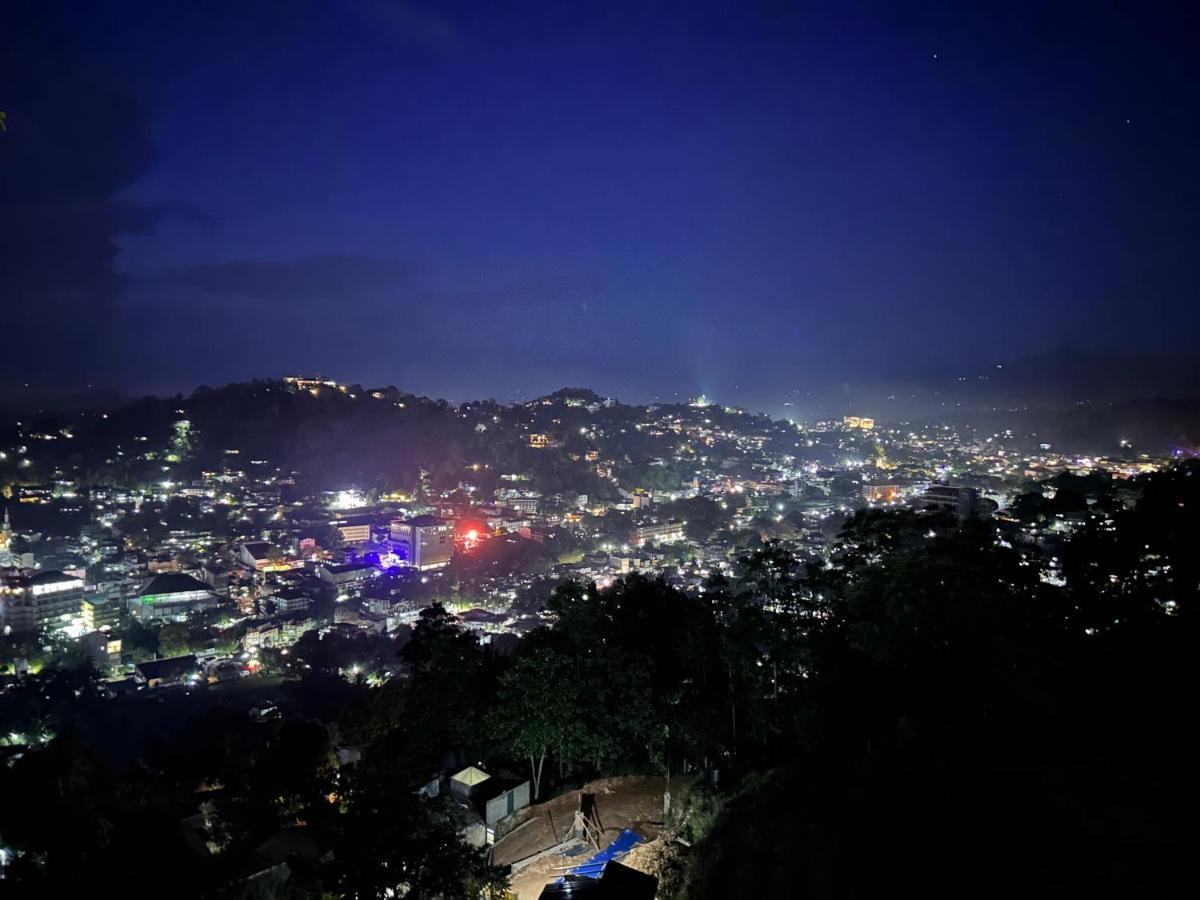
[
  {"x": 172, "y": 597},
  {"x": 965, "y": 502},
  {"x": 42, "y": 602},
  {"x": 6, "y": 554},
  {"x": 658, "y": 533},
  {"x": 881, "y": 493},
  {"x": 99, "y": 612},
  {"x": 425, "y": 542},
  {"x": 862, "y": 423},
  {"x": 357, "y": 533}
]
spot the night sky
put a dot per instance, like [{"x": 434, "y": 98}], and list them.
[{"x": 498, "y": 199}]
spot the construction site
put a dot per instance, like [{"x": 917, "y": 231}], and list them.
[{"x": 601, "y": 840}]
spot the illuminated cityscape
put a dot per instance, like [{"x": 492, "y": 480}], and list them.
[{"x": 678, "y": 451}]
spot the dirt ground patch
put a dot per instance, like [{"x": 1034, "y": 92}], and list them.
[
  {"x": 661, "y": 857},
  {"x": 634, "y": 801}
]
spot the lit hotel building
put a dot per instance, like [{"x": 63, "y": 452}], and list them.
[
  {"x": 658, "y": 533},
  {"x": 41, "y": 602},
  {"x": 424, "y": 542}
]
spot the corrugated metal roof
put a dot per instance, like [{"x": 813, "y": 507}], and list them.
[{"x": 471, "y": 776}]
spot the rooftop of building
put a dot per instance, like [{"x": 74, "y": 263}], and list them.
[
  {"x": 51, "y": 577},
  {"x": 342, "y": 568},
  {"x": 172, "y": 583},
  {"x": 166, "y": 668},
  {"x": 424, "y": 521}
]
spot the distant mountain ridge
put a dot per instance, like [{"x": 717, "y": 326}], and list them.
[
  {"x": 1069, "y": 375},
  {"x": 1063, "y": 378},
  {"x": 1081, "y": 401},
  {"x": 23, "y": 401}
]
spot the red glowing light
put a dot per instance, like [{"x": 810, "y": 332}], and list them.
[{"x": 472, "y": 535}]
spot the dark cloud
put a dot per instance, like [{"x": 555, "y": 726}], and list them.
[
  {"x": 145, "y": 218},
  {"x": 76, "y": 137}
]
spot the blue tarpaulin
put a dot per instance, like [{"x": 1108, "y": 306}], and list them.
[{"x": 594, "y": 867}]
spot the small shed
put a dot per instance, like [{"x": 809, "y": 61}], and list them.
[
  {"x": 467, "y": 783},
  {"x": 505, "y": 803}
]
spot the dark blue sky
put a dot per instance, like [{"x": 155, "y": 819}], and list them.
[{"x": 496, "y": 199}]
